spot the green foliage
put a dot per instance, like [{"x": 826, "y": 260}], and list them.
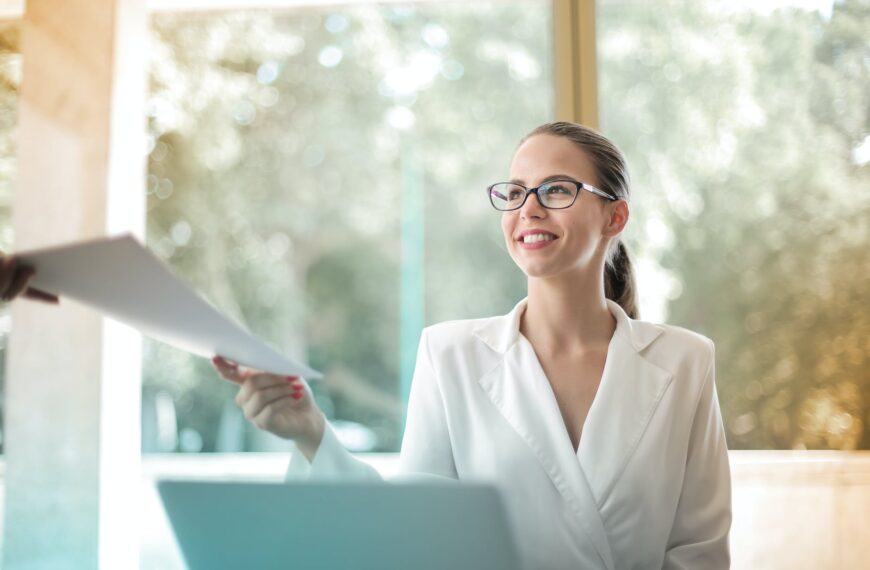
[
  {"x": 283, "y": 141},
  {"x": 280, "y": 165},
  {"x": 741, "y": 131}
]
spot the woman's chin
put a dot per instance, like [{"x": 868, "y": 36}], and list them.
[
  {"x": 539, "y": 270},
  {"x": 542, "y": 264}
]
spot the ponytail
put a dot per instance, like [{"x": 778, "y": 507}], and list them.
[{"x": 619, "y": 283}]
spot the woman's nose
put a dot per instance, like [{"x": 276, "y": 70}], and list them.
[{"x": 532, "y": 208}]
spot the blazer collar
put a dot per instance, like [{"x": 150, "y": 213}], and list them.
[
  {"x": 630, "y": 384},
  {"x": 500, "y": 333}
]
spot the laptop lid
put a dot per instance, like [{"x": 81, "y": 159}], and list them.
[{"x": 319, "y": 525}]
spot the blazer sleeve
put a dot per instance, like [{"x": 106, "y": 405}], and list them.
[
  {"x": 426, "y": 451},
  {"x": 331, "y": 461},
  {"x": 699, "y": 537}
]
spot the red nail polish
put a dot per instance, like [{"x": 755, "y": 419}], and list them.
[{"x": 297, "y": 395}]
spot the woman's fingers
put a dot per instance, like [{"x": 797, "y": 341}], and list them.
[
  {"x": 265, "y": 397},
  {"x": 262, "y": 395},
  {"x": 229, "y": 370},
  {"x": 276, "y": 404},
  {"x": 260, "y": 381}
]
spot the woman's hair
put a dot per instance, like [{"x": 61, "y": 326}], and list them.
[{"x": 612, "y": 171}]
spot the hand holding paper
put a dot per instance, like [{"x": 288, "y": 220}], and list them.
[
  {"x": 282, "y": 405},
  {"x": 122, "y": 279},
  {"x": 15, "y": 280}
]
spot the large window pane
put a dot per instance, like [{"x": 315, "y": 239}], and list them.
[
  {"x": 320, "y": 176},
  {"x": 746, "y": 126}
]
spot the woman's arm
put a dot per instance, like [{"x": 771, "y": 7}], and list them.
[
  {"x": 426, "y": 449},
  {"x": 330, "y": 460},
  {"x": 699, "y": 537}
]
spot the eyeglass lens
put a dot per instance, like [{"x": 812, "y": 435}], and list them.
[{"x": 507, "y": 196}]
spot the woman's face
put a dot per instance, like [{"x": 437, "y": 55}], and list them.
[{"x": 579, "y": 233}]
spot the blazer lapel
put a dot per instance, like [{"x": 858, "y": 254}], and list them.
[
  {"x": 629, "y": 393},
  {"x": 520, "y": 390}
]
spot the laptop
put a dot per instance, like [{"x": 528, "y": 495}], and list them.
[{"x": 328, "y": 525}]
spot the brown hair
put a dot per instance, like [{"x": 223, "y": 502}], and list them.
[{"x": 612, "y": 171}]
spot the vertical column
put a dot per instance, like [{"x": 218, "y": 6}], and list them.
[
  {"x": 73, "y": 378},
  {"x": 575, "y": 69},
  {"x": 412, "y": 288}
]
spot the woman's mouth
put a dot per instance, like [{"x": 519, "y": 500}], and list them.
[{"x": 536, "y": 241}]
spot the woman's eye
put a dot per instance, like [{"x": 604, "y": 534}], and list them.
[
  {"x": 515, "y": 195},
  {"x": 555, "y": 189}
]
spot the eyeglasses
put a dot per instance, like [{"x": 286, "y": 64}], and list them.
[{"x": 555, "y": 195}]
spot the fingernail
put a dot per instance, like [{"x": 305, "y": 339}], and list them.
[
  {"x": 297, "y": 387},
  {"x": 297, "y": 395},
  {"x": 292, "y": 378}
]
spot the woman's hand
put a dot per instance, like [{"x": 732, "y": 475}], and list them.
[
  {"x": 281, "y": 405},
  {"x": 14, "y": 279}
]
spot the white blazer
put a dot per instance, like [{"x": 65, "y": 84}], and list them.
[{"x": 650, "y": 484}]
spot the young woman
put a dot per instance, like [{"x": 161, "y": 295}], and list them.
[{"x": 603, "y": 432}]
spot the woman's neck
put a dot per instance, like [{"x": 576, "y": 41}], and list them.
[{"x": 567, "y": 313}]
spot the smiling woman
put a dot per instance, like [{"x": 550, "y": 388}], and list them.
[
  {"x": 603, "y": 432},
  {"x": 600, "y": 170},
  {"x": 317, "y": 173}
]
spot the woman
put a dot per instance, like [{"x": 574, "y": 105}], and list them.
[{"x": 603, "y": 432}]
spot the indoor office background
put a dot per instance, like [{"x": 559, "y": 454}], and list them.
[{"x": 317, "y": 171}]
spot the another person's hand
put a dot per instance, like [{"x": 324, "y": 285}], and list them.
[
  {"x": 281, "y": 405},
  {"x": 14, "y": 279}
]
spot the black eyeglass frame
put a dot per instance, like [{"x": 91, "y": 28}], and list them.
[{"x": 579, "y": 185}]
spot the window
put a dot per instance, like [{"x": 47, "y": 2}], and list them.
[
  {"x": 320, "y": 176},
  {"x": 746, "y": 127}
]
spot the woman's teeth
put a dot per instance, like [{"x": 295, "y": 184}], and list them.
[{"x": 532, "y": 238}]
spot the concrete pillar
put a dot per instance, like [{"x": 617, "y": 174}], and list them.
[{"x": 73, "y": 378}]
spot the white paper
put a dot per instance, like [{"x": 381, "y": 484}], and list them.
[{"x": 122, "y": 279}]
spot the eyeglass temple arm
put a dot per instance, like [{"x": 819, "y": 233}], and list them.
[{"x": 601, "y": 193}]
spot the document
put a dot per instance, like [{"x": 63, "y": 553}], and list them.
[{"x": 119, "y": 277}]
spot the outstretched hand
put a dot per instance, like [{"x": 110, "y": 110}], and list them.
[
  {"x": 281, "y": 405},
  {"x": 14, "y": 279}
]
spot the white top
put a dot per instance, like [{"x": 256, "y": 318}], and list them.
[{"x": 649, "y": 486}]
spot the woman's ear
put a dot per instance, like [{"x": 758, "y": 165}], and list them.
[{"x": 617, "y": 218}]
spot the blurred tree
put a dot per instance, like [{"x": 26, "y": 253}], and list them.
[
  {"x": 741, "y": 129},
  {"x": 275, "y": 179},
  {"x": 275, "y": 182}
]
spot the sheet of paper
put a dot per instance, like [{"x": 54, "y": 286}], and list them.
[{"x": 122, "y": 279}]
